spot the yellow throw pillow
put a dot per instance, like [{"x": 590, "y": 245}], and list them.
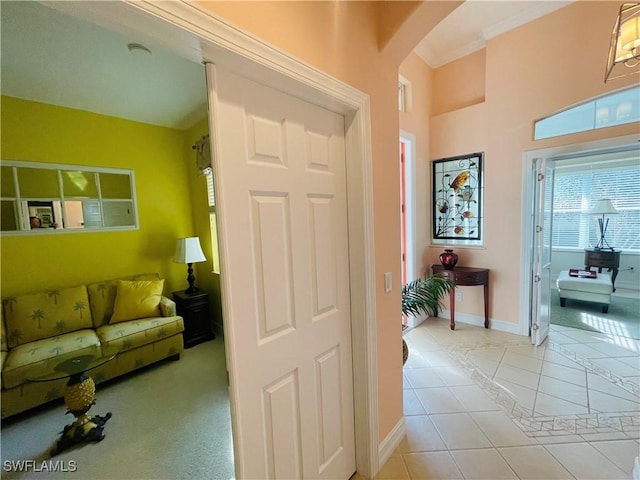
[{"x": 137, "y": 299}]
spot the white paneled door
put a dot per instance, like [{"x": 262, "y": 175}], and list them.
[{"x": 279, "y": 168}]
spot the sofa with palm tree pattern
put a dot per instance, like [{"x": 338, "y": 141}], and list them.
[{"x": 128, "y": 313}]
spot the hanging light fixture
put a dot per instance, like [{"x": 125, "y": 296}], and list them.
[{"x": 624, "y": 51}]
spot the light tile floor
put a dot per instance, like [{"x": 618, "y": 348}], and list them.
[{"x": 484, "y": 404}]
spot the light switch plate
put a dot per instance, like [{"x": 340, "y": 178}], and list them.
[{"x": 388, "y": 282}]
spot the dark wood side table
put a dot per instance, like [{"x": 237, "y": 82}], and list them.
[
  {"x": 194, "y": 309},
  {"x": 466, "y": 276},
  {"x": 603, "y": 258}
]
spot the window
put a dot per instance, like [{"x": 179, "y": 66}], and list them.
[
  {"x": 213, "y": 222},
  {"x": 613, "y": 109},
  {"x": 578, "y": 187},
  {"x": 210, "y": 194},
  {"x": 404, "y": 94}
]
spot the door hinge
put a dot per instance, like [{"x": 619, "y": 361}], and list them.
[
  {"x": 535, "y": 327},
  {"x": 536, "y": 278},
  {"x": 538, "y": 228},
  {"x": 540, "y": 177}
]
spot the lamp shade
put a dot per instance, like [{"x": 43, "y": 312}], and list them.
[
  {"x": 604, "y": 207},
  {"x": 188, "y": 250},
  {"x": 624, "y": 48}
]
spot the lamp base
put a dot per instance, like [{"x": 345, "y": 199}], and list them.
[{"x": 191, "y": 279}]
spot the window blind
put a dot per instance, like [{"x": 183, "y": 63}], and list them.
[
  {"x": 575, "y": 193},
  {"x": 210, "y": 194}
]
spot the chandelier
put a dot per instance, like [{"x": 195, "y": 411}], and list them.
[{"x": 624, "y": 51}]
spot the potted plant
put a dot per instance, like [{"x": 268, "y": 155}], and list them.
[{"x": 423, "y": 295}]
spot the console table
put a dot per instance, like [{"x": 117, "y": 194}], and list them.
[
  {"x": 466, "y": 276},
  {"x": 603, "y": 258}
]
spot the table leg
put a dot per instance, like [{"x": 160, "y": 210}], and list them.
[
  {"x": 486, "y": 305},
  {"x": 614, "y": 274},
  {"x": 79, "y": 397},
  {"x": 452, "y": 307}
]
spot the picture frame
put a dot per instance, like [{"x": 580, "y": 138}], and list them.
[{"x": 457, "y": 208}]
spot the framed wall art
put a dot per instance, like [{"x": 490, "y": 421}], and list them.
[{"x": 458, "y": 215}]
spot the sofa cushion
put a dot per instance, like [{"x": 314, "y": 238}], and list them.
[
  {"x": 3, "y": 333},
  {"x": 137, "y": 299},
  {"x": 135, "y": 333},
  {"x": 45, "y": 314},
  {"x": 22, "y": 358},
  {"x": 102, "y": 297},
  {"x": 3, "y": 355}
]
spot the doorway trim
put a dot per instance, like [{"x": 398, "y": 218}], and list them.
[
  {"x": 527, "y": 218},
  {"x": 409, "y": 139},
  {"x": 240, "y": 52}
]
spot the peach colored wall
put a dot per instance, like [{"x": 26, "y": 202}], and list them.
[
  {"x": 391, "y": 16},
  {"x": 531, "y": 72},
  {"x": 340, "y": 38},
  {"x": 466, "y": 77},
  {"x": 416, "y": 122}
]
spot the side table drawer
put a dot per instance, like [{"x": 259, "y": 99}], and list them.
[
  {"x": 478, "y": 278},
  {"x": 602, "y": 259}
]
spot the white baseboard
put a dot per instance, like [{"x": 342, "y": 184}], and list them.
[
  {"x": 391, "y": 442},
  {"x": 495, "y": 324},
  {"x": 413, "y": 322}
]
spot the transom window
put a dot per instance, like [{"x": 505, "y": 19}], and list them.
[{"x": 613, "y": 109}]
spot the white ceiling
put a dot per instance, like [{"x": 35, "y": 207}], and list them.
[
  {"x": 469, "y": 26},
  {"x": 52, "y": 57}
]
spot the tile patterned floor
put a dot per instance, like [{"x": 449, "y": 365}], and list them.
[{"x": 484, "y": 404}]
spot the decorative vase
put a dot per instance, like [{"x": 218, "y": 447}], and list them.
[{"x": 448, "y": 259}]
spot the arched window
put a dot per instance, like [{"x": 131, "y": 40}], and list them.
[{"x": 613, "y": 109}]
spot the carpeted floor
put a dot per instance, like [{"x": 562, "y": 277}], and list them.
[
  {"x": 622, "y": 319},
  {"x": 170, "y": 420}
]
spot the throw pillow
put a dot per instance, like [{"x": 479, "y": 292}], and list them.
[{"x": 137, "y": 299}]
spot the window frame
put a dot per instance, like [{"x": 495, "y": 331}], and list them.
[{"x": 63, "y": 199}]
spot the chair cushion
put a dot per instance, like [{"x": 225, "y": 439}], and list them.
[
  {"x": 45, "y": 314},
  {"x": 600, "y": 284},
  {"x": 135, "y": 333},
  {"x": 137, "y": 299},
  {"x": 20, "y": 359}
]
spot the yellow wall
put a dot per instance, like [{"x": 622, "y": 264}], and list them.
[
  {"x": 44, "y": 133},
  {"x": 531, "y": 72}
]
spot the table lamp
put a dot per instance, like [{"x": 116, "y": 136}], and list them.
[
  {"x": 188, "y": 251},
  {"x": 603, "y": 207}
]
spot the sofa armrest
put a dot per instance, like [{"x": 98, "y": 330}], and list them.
[{"x": 167, "y": 307}]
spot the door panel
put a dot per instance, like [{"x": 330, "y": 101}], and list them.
[
  {"x": 543, "y": 215},
  {"x": 280, "y": 179}
]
